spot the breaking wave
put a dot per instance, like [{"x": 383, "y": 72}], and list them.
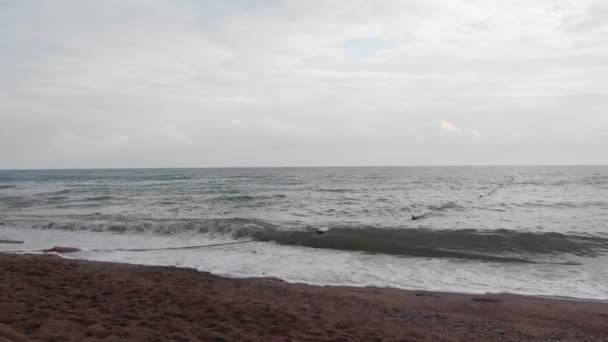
[{"x": 466, "y": 244}]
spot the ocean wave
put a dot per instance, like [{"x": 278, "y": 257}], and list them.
[
  {"x": 562, "y": 204},
  {"x": 437, "y": 210},
  {"x": 7, "y": 186},
  {"x": 445, "y": 206},
  {"x": 98, "y": 198},
  {"x": 167, "y": 177},
  {"x": 246, "y": 198},
  {"x": 18, "y": 202},
  {"x": 335, "y": 190},
  {"x": 60, "y": 192},
  {"x": 234, "y": 227},
  {"x": 465, "y": 244},
  {"x": 599, "y": 181},
  {"x": 500, "y": 246},
  {"x": 57, "y": 199}
]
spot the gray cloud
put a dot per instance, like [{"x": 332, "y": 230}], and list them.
[
  {"x": 164, "y": 83},
  {"x": 593, "y": 18}
]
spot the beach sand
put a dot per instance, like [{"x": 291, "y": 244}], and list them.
[{"x": 53, "y": 299}]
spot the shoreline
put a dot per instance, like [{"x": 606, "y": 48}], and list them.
[
  {"x": 48, "y": 252},
  {"x": 369, "y": 270},
  {"x": 48, "y": 297}
]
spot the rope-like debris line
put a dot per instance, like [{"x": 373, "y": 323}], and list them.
[
  {"x": 59, "y": 249},
  {"x": 500, "y": 186},
  {"x": 170, "y": 248},
  {"x": 24, "y": 251}
]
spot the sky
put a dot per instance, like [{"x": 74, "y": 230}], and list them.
[{"x": 180, "y": 83}]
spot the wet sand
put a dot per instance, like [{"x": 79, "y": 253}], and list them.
[{"x": 52, "y": 299}]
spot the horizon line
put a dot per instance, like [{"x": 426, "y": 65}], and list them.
[{"x": 293, "y": 167}]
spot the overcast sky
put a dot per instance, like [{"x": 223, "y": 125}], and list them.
[{"x": 155, "y": 83}]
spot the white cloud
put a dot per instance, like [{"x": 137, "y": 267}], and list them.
[
  {"x": 448, "y": 127},
  {"x": 451, "y": 129}
]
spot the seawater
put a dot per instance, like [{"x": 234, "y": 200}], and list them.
[{"x": 534, "y": 230}]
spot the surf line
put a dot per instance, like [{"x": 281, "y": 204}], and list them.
[
  {"x": 500, "y": 186},
  {"x": 65, "y": 249}
]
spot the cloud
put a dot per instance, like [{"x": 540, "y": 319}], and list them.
[
  {"x": 328, "y": 79},
  {"x": 229, "y": 99},
  {"x": 273, "y": 124},
  {"x": 68, "y": 140},
  {"x": 175, "y": 135},
  {"x": 450, "y": 129},
  {"x": 115, "y": 140},
  {"x": 593, "y": 18}
]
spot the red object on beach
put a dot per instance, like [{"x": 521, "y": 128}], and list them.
[{"x": 61, "y": 249}]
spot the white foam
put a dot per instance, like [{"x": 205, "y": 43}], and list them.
[{"x": 326, "y": 267}]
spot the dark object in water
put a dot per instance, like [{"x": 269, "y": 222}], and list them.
[
  {"x": 62, "y": 249},
  {"x": 419, "y": 217}
]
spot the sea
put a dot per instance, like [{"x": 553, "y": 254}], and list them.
[{"x": 538, "y": 230}]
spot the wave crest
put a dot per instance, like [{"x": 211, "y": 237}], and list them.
[{"x": 468, "y": 244}]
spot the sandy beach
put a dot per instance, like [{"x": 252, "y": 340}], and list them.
[{"x": 53, "y": 299}]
